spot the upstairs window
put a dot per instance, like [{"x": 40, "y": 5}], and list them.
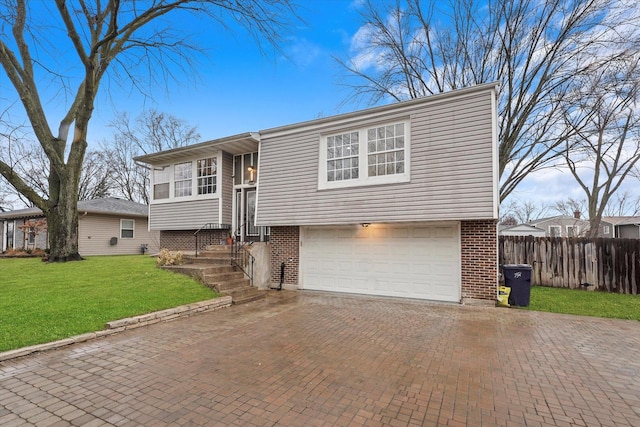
[
  {"x": 367, "y": 156},
  {"x": 186, "y": 180},
  {"x": 385, "y": 147},
  {"x": 182, "y": 179},
  {"x": 161, "y": 184},
  {"x": 342, "y": 157},
  {"x": 207, "y": 170}
]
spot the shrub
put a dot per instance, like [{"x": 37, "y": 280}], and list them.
[{"x": 167, "y": 257}]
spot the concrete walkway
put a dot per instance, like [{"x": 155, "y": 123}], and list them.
[{"x": 314, "y": 359}]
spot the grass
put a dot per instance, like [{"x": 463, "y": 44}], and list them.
[
  {"x": 42, "y": 302},
  {"x": 585, "y": 303}
]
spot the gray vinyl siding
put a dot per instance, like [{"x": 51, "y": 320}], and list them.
[
  {"x": 452, "y": 170},
  {"x": 187, "y": 215},
  {"x": 227, "y": 187},
  {"x": 629, "y": 231},
  {"x": 95, "y": 233}
]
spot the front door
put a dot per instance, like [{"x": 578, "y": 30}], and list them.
[{"x": 245, "y": 227}]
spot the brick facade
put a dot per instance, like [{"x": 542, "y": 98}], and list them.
[
  {"x": 479, "y": 268},
  {"x": 285, "y": 247},
  {"x": 184, "y": 240}
]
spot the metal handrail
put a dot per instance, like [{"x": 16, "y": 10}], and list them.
[
  {"x": 208, "y": 226},
  {"x": 242, "y": 258}
]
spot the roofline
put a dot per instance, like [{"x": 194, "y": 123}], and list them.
[
  {"x": 435, "y": 98},
  {"x": 213, "y": 142},
  {"x": 346, "y": 117}
]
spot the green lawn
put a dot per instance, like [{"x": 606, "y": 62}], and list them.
[
  {"x": 42, "y": 302},
  {"x": 585, "y": 303}
]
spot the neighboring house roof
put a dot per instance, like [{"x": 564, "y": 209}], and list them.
[
  {"x": 555, "y": 217},
  {"x": 107, "y": 206},
  {"x": 622, "y": 220},
  {"x": 521, "y": 227}
]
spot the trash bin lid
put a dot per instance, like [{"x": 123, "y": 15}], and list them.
[{"x": 517, "y": 266}]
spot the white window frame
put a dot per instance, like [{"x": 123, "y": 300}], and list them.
[
  {"x": 363, "y": 164},
  {"x": 606, "y": 229},
  {"x": 187, "y": 179},
  {"x": 214, "y": 176},
  {"x": 156, "y": 173},
  {"x": 132, "y": 229},
  {"x": 576, "y": 230},
  {"x": 170, "y": 170},
  {"x": 555, "y": 227}
]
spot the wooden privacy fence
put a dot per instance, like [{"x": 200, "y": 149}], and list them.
[{"x": 609, "y": 264}]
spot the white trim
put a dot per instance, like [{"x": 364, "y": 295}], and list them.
[
  {"x": 363, "y": 164},
  {"x": 495, "y": 153},
  {"x": 194, "y": 181},
  {"x": 576, "y": 232},
  {"x": 556, "y": 227}
]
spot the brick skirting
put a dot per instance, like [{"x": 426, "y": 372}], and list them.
[
  {"x": 285, "y": 247},
  {"x": 184, "y": 240}
]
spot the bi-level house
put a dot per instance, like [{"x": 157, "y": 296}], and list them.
[{"x": 399, "y": 200}]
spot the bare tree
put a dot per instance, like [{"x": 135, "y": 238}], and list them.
[
  {"x": 570, "y": 207},
  {"x": 101, "y": 36},
  {"x": 623, "y": 204},
  {"x": 96, "y": 181},
  {"x": 603, "y": 115},
  {"x": 534, "y": 49},
  {"x": 150, "y": 132},
  {"x": 526, "y": 211}
]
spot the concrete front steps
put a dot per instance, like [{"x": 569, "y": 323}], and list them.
[{"x": 213, "y": 268}]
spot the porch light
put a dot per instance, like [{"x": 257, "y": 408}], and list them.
[
  {"x": 365, "y": 224},
  {"x": 251, "y": 169}
]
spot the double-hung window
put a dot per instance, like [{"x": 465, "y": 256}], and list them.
[
  {"x": 127, "y": 227},
  {"x": 342, "y": 157},
  {"x": 206, "y": 169},
  {"x": 370, "y": 155},
  {"x": 196, "y": 178},
  {"x": 161, "y": 183},
  {"x": 182, "y": 179}
]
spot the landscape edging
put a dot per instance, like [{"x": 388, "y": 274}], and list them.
[{"x": 125, "y": 324}]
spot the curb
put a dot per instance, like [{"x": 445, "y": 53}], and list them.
[{"x": 125, "y": 324}]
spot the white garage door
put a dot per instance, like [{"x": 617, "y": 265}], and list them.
[{"x": 417, "y": 261}]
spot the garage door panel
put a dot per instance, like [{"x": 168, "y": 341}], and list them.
[{"x": 406, "y": 261}]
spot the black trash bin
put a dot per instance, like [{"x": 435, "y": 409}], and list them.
[{"x": 518, "y": 278}]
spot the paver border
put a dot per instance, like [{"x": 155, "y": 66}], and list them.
[{"x": 125, "y": 324}]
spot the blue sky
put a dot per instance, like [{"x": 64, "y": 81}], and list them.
[{"x": 238, "y": 88}]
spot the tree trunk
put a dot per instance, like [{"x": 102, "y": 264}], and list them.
[{"x": 62, "y": 223}]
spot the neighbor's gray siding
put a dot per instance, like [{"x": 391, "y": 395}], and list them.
[
  {"x": 629, "y": 231},
  {"x": 227, "y": 187},
  {"x": 187, "y": 215},
  {"x": 452, "y": 176},
  {"x": 95, "y": 233}
]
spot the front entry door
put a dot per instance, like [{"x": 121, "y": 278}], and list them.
[{"x": 246, "y": 217}]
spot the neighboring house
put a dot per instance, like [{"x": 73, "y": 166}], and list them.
[
  {"x": 105, "y": 227},
  {"x": 521, "y": 230},
  {"x": 562, "y": 225},
  {"x": 400, "y": 200},
  {"x": 624, "y": 227}
]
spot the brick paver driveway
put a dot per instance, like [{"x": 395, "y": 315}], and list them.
[{"x": 323, "y": 359}]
